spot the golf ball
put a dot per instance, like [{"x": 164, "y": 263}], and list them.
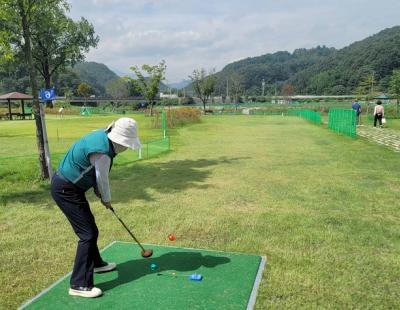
[
  {"x": 153, "y": 267},
  {"x": 171, "y": 237}
]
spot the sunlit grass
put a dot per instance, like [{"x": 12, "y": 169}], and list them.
[{"x": 322, "y": 207}]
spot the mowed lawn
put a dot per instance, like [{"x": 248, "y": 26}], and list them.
[{"x": 323, "y": 209}]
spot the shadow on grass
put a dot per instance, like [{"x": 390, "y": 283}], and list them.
[
  {"x": 174, "y": 261},
  {"x": 137, "y": 180},
  {"x": 41, "y": 195}
]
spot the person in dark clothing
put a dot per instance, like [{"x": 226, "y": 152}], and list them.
[
  {"x": 357, "y": 107},
  {"x": 86, "y": 165}
]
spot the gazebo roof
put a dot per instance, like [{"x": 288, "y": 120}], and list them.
[{"x": 16, "y": 96}]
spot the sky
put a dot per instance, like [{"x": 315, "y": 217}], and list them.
[{"x": 210, "y": 34}]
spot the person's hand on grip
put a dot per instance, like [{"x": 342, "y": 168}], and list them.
[{"x": 107, "y": 204}]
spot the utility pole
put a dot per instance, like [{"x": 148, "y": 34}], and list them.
[
  {"x": 263, "y": 87},
  {"x": 227, "y": 89},
  {"x": 372, "y": 83}
]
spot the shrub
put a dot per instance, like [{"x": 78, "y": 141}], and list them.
[
  {"x": 186, "y": 100},
  {"x": 178, "y": 117}
]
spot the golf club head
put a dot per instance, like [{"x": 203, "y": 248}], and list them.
[{"x": 147, "y": 253}]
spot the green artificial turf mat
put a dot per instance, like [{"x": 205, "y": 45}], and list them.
[{"x": 230, "y": 281}]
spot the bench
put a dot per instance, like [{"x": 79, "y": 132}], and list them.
[
  {"x": 19, "y": 115},
  {"x": 25, "y": 115}
]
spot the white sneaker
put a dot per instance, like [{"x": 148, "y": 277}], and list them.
[
  {"x": 105, "y": 267},
  {"x": 88, "y": 292}
]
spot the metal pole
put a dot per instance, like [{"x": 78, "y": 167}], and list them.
[
  {"x": 9, "y": 110},
  {"x": 45, "y": 142}
]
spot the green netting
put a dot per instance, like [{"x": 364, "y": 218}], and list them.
[
  {"x": 27, "y": 165},
  {"x": 164, "y": 123},
  {"x": 309, "y": 115},
  {"x": 107, "y": 110},
  {"x": 153, "y": 148},
  {"x": 343, "y": 121},
  {"x": 85, "y": 111},
  {"x": 265, "y": 112}
]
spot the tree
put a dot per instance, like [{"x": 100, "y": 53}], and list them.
[
  {"x": 84, "y": 90},
  {"x": 133, "y": 89},
  {"x": 58, "y": 41},
  {"x": 367, "y": 88},
  {"x": 236, "y": 88},
  {"x": 339, "y": 90},
  {"x": 117, "y": 88},
  {"x": 394, "y": 87},
  {"x": 203, "y": 85},
  {"x": 66, "y": 82},
  {"x": 149, "y": 85},
  {"x": 17, "y": 19},
  {"x": 287, "y": 91}
]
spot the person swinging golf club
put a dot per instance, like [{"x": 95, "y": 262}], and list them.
[{"x": 86, "y": 165}]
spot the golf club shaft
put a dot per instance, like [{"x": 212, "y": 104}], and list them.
[{"x": 127, "y": 229}]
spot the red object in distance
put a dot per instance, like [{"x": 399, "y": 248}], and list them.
[{"x": 171, "y": 237}]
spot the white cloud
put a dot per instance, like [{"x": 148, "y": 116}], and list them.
[{"x": 192, "y": 34}]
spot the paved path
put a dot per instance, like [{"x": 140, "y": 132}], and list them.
[{"x": 385, "y": 136}]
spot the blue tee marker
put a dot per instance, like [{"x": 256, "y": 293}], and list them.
[{"x": 196, "y": 277}]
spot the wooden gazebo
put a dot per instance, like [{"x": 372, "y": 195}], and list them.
[{"x": 16, "y": 96}]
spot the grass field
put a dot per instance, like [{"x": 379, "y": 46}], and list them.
[{"x": 322, "y": 207}]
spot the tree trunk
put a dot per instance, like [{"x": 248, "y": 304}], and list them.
[
  {"x": 47, "y": 79},
  {"x": 397, "y": 107},
  {"x": 151, "y": 108},
  {"x": 36, "y": 105}
]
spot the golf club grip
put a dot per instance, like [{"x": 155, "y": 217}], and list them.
[{"x": 127, "y": 229}]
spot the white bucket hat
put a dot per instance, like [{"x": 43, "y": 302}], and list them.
[{"x": 124, "y": 132}]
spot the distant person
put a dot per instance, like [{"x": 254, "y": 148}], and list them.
[
  {"x": 84, "y": 110},
  {"x": 379, "y": 112},
  {"x": 61, "y": 112},
  {"x": 86, "y": 165},
  {"x": 357, "y": 107}
]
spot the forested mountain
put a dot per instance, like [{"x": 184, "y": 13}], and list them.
[
  {"x": 14, "y": 77},
  {"x": 319, "y": 70},
  {"x": 97, "y": 75}
]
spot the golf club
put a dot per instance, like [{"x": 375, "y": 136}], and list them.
[{"x": 145, "y": 253}]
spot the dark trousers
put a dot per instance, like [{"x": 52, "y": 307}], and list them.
[
  {"x": 73, "y": 204},
  {"x": 378, "y": 117}
]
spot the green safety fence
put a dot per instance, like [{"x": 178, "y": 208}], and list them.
[
  {"x": 85, "y": 111},
  {"x": 154, "y": 148},
  {"x": 12, "y": 166},
  {"x": 310, "y": 115},
  {"x": 343, "y": 121},
  {"x": 265, "y": 112},
  {"x": 164, "y": 123}
]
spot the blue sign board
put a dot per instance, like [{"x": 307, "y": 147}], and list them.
[{"x": 47, "y": 94}]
